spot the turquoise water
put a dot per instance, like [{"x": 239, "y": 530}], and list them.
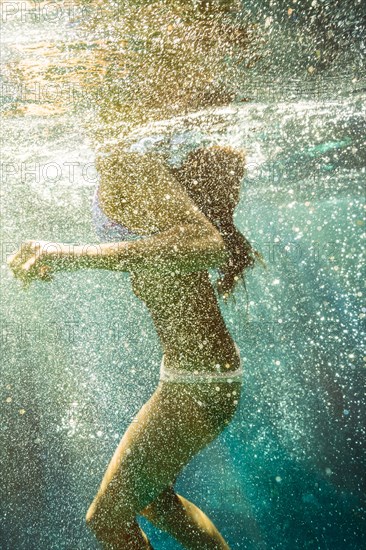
[{"x": 80, "y": 356}]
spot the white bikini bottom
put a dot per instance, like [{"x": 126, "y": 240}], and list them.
[{"x": 195, "y": 377}]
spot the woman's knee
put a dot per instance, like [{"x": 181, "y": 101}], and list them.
[
  {"x": 160, "y": 505},
  {"x": 96, "y": 520},
  {"x": 107, "y": 521}
]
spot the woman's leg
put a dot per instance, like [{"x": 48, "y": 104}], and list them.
[
  {"x": 178, "y": 421},
  {"x": 184, "y": 521},
  {"x": 176, "y": 515}
]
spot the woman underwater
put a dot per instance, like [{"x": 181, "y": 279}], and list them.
[{"x": 166, "y": 226}]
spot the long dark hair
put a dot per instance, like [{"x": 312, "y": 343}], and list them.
[{"x": 212, "y": 177}]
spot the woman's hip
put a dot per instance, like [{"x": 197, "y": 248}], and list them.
[
  {"x": 195, "y": 373},
  {"x": 213, "y": 403}
]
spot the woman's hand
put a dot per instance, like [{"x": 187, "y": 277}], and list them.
[
  {"x": 40, "y": 260},
  {"x": 34, "y": 260}
]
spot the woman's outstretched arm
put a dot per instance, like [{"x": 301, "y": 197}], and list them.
[{"x": 183, "y": 248}]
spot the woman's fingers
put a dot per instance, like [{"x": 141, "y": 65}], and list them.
[
  {"x": 17, "y": 265},
  {"x": 26, "y": 263},
  {"x": 22, "y": 254},
  {"x": 31, "y": 262},
  {"x": 11, "y": 258},
  {"x": 15, "y": 258}
]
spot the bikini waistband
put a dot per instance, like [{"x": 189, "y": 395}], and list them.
[{"x": 175, "y": 375}]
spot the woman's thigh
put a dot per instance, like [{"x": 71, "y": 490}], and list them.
[{"x": 174, "y": 424}]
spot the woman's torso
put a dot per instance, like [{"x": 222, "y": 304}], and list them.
[
  {"x": 183, "y": 307},
  {"x": 188, "y": 321}
]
